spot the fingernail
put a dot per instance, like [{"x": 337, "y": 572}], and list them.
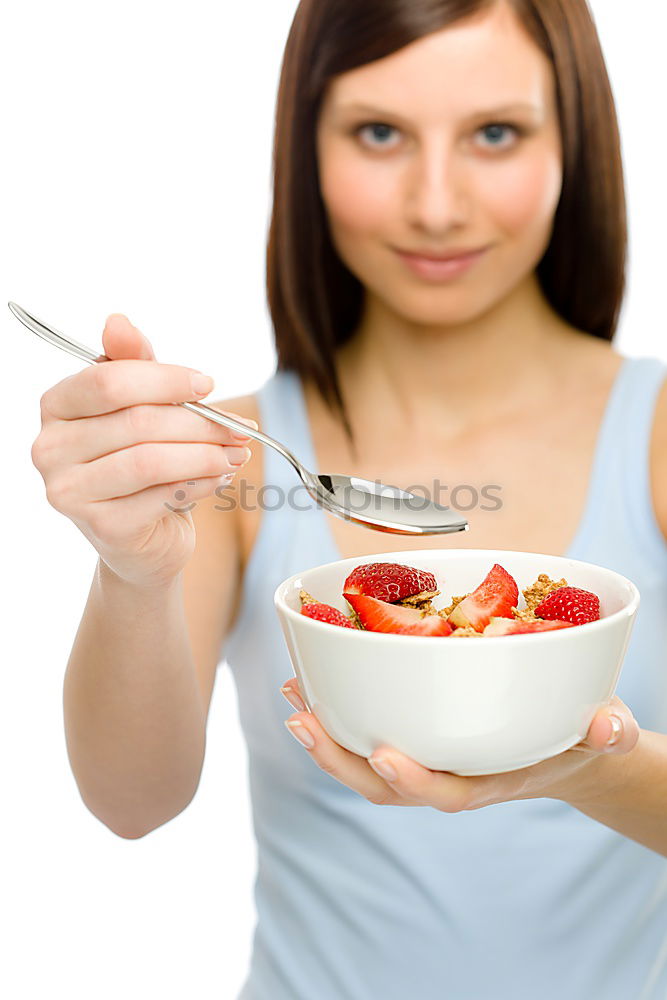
[
  {"x": 294, "y": 699},
  {"x": 382, "y": 767},
  {"x": 300, "y": 733},
  {"x": 202, "y": 384},
  {"x": 616, "y": 730},
  {"x": 237, "y": 456},
  {"x": 226, "y": 479},
  {"x": 251, "y": 423}
]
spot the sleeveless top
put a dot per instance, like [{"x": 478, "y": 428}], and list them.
[{"x": 515, "y": 901}]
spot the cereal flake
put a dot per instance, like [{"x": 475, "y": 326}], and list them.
[{"x": 536, "y": 593}]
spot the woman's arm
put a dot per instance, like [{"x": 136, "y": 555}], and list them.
[
  {"x": 658, "y": 460},
  {"x": 629, "y": 792}
]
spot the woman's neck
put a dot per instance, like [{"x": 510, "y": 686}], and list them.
[{"x": 513, "y": 357}]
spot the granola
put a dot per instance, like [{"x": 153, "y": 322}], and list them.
[
  {"x": 537, "y": 591},
  {"x": 491, "y": 609}
]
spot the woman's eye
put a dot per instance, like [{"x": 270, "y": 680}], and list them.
[
  {"x": 375, "y": 130},
  {"x": 497, "y": 133}
]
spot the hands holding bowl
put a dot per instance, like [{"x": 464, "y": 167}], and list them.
[{"x": 515, "y": 716}]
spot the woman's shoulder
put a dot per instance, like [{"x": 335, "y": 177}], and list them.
[
  {"x": 602, "y": 352},
  {"x": 248, "y": 481},
  {"x": 659, "y": 459},
  {"x": 244, "y": 406}
]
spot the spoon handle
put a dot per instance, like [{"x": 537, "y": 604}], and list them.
[
  {"x": 236, "y": 425},
  {"x": 84, "y": 353}
]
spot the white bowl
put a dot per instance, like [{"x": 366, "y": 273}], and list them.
[{"x": 465, "y": 705}]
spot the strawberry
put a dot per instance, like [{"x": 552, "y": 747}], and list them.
[
  {"x": 325, "y": 613},
  {"x": 496, "y": 595},
  {"x": 570, "y": 604},
  {"x": 388, "y": 581},
  {"x": 514, "y": 626},
  {"x": 382, "y": 616}
]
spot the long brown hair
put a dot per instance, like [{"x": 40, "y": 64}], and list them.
[{"x": 314, "y": 300}]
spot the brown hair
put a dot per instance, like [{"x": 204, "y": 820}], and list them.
[{"x": 314, "y": 300}]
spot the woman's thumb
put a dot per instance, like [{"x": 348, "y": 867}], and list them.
[{"x": 123, "y": 340}]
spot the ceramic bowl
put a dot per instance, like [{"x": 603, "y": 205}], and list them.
[{"x": 465, "y": 705}]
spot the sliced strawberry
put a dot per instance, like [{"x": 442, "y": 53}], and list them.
[
  {"x": 514, "y": 626},
  {"x": 388, "y": 581},
  {"x": 325, "y": 613},
  {"x": 570, "y": 604},
  {"x": 496, "y": 595},
  {"x": 381, "y": 616}
]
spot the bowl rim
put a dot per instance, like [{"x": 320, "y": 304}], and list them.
[{"x": 627, "y": 611}]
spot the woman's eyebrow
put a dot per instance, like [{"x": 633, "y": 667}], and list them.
[{"x": 504, "y": 109}]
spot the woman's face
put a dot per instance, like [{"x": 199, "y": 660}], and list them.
[{"x": 457, "y": 148}]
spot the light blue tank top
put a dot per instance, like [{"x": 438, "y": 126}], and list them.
[{"x": 528, "y": 900}]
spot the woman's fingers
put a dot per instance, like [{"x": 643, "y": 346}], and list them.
[
  {"x": 614, "y": 729},
  {"x": 343, "y": 765},
  {"x": 410, "y": 785},
  {"x": 125, "y": 472},
  {"x": 122, "y": 339},
  {"x": 143, "y": 508},
  {"x": 290, "y": 691},
  {"x": 93, "y": 437},
  {"x": 111, "y": 386}
]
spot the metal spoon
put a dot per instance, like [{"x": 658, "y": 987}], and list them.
[{"x": 372, "y": 504}]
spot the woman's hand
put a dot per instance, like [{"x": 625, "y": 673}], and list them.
[
  {"x": 389, "y": 778},
  {"x": 115, "y": 456}
]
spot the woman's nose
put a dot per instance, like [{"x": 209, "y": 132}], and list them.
[{"x": 437, "y": 196}]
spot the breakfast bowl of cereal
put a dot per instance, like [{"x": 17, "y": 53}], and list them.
[{"x": 474, "y": 661}]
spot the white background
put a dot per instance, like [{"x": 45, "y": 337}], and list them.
[{"x": 136, "y": 179}]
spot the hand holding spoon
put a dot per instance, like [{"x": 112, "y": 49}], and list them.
[{"x": 372, "y": 504}]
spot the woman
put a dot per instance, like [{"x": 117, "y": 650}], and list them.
[
  {"x": 485, "y": 127},
  {"x": 501, "y": 374}
]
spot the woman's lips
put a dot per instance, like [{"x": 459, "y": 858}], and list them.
[{"x": 440, "y": 270}]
